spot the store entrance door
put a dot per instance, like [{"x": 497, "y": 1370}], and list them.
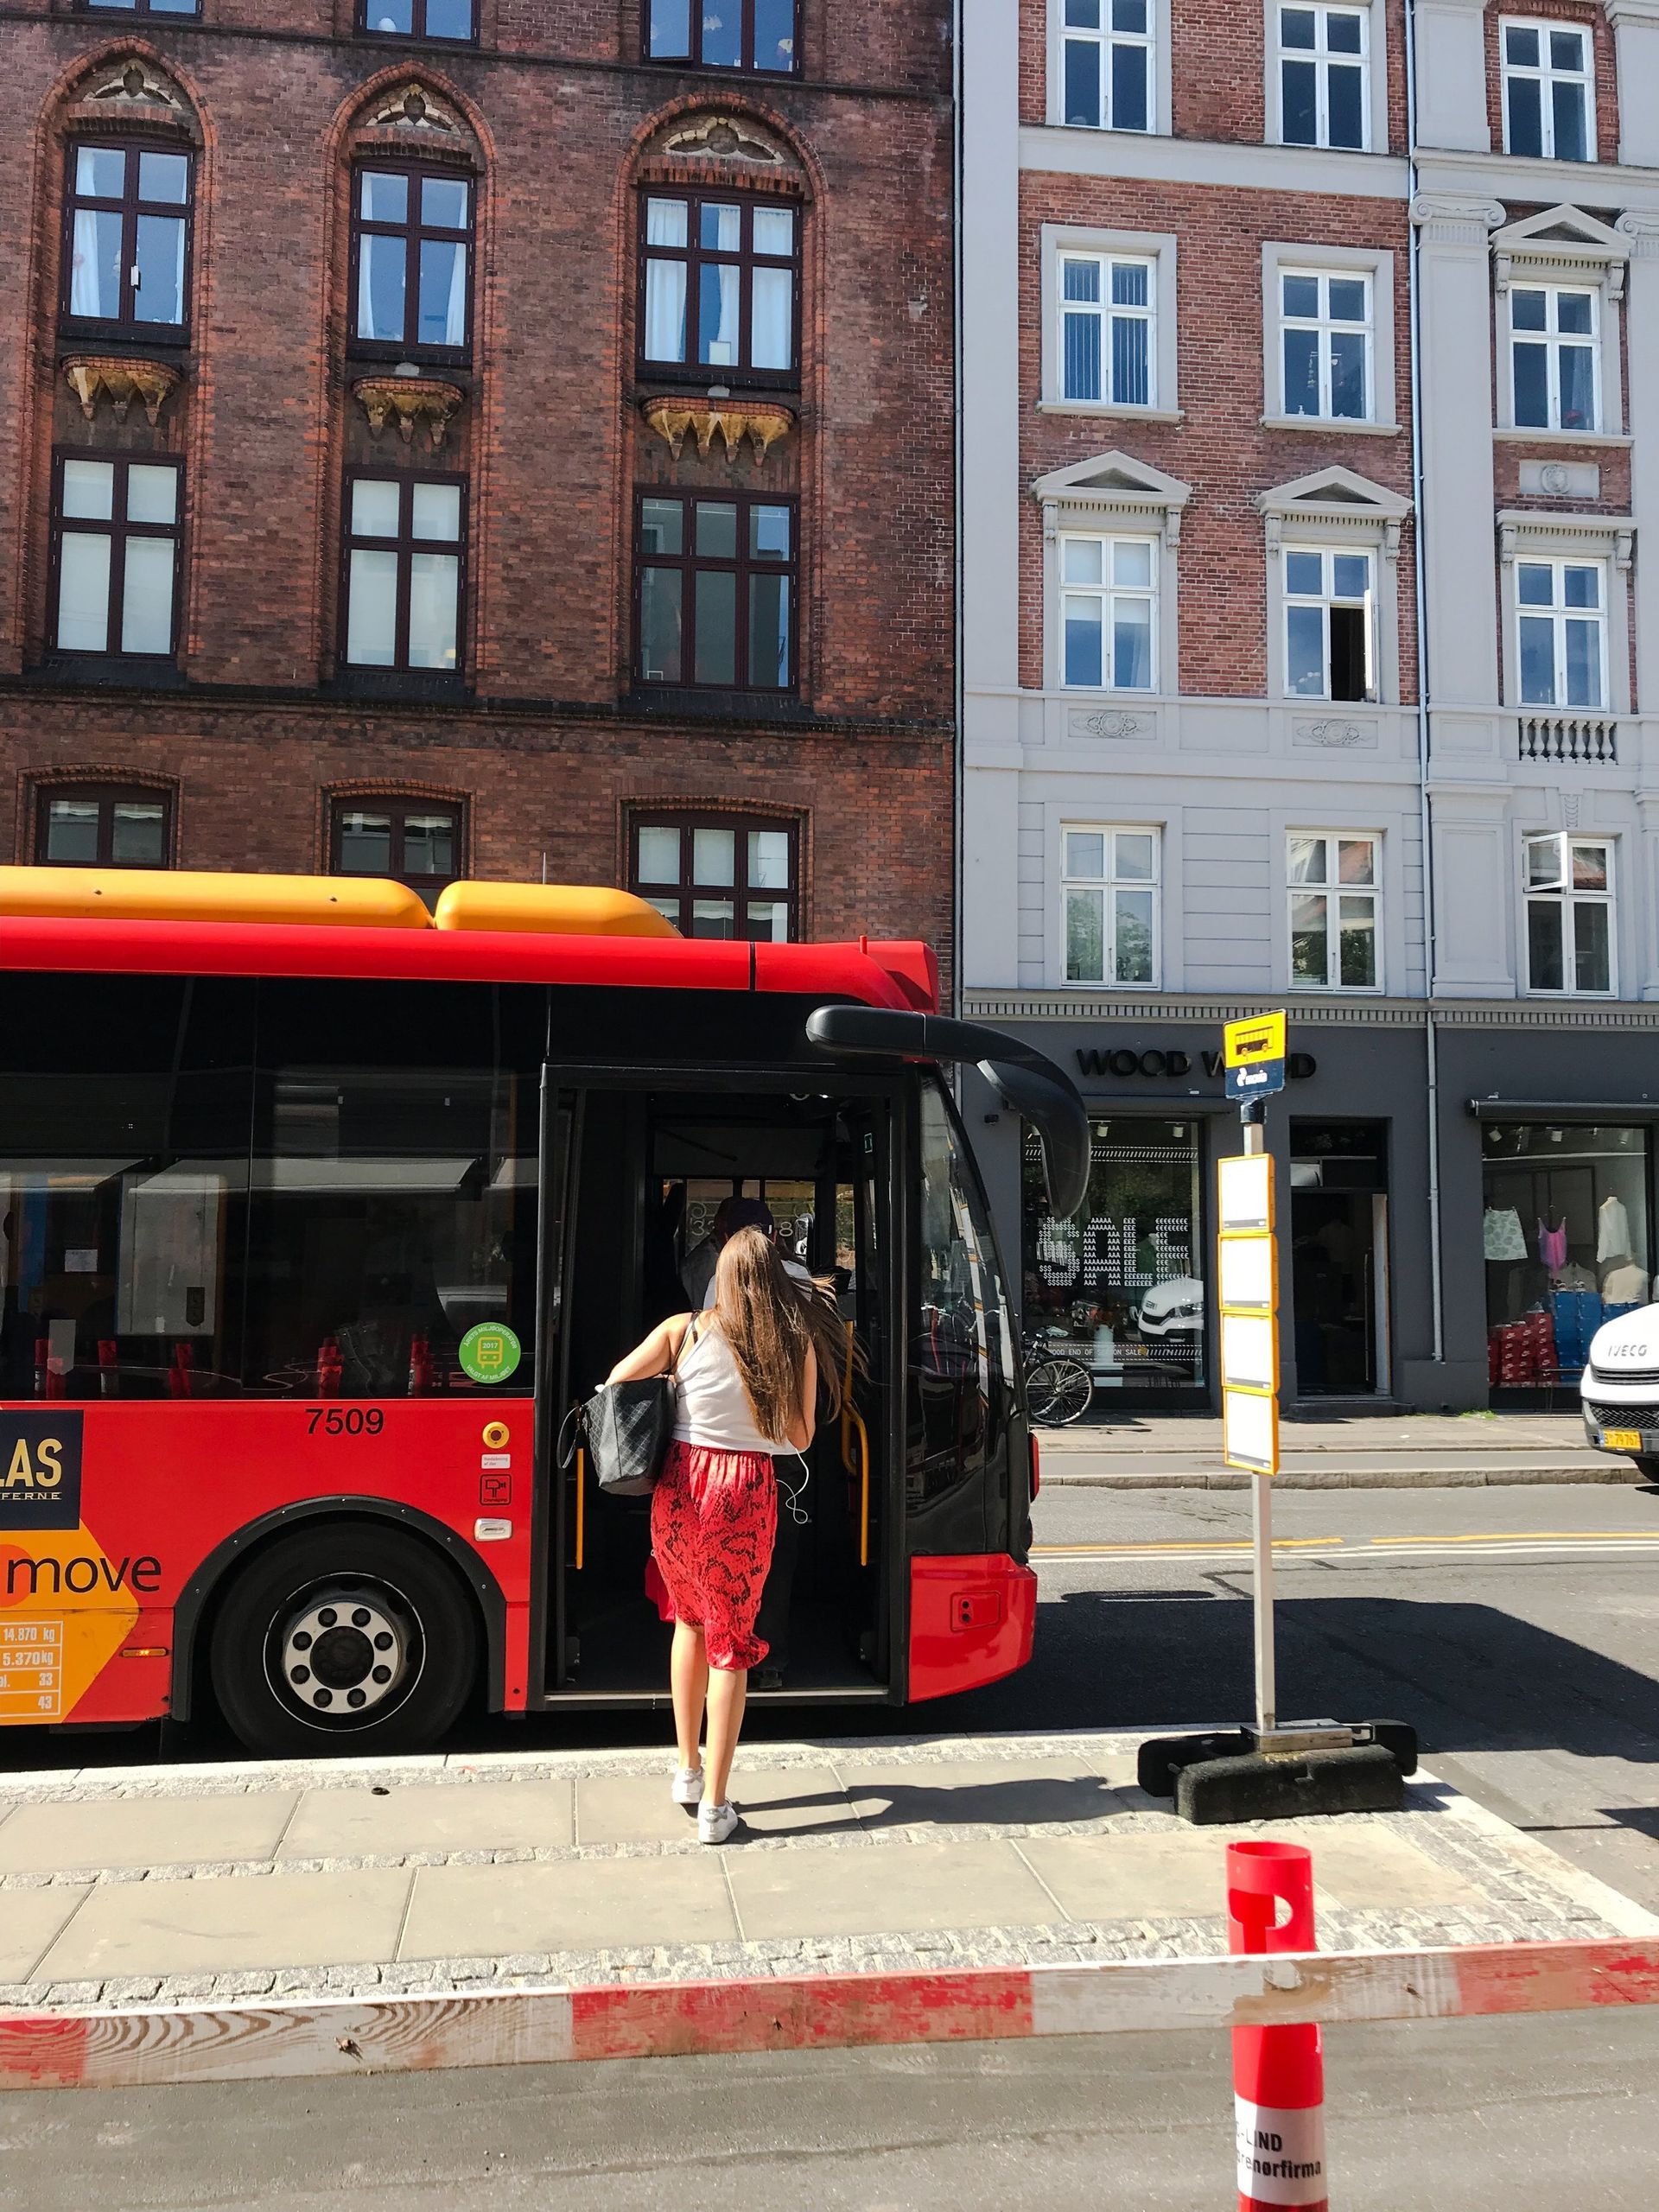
[{"x": 1339, "y": 1257}]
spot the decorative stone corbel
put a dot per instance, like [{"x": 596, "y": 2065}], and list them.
[
  {"x": 1623, "y": 549},
  {"x": 1051, "y": 520},
  {"x": 1506, "y": 543},
  {"x": 762, "y": 423},
  {"x": 1275, "y": 536},
  {"x": 121, "y": 382},
  {"x": 1391, "y": 542},
  {"x": 411, "y": 400}
]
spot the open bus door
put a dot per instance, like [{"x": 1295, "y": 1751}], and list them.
[{"x": 644, "y": 1158}]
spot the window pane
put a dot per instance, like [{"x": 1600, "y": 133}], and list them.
[
  {"x": 1582, "y": 587},
  {"x": 774, "y": 34},
  {"x": 719, "y": 226},
  {"x": 1567, "y": 106},
  {"x": 83, "y": 593},
  {"x": 384, "y": 196},
  {"x": 1532, "y": 387},
  {"x": 395, "y": 17},
  {"x": 1348, "y": 299},
  {"x": 723, "y": 33},
  {"x": 769, "y": 666},
  {"x": 381, "y": 287},
  {"x": 1082, "y": 641},
  {"x": 160, "y": 269},
  {"x": 713, "y": 856},
  {"x": 1132, "y": 646},
  {"x": 1133, "y": 945},
  {"x": 1308, "y": 959},
  {"x": 1080, "y": 371},
  {"x": 1301, "y": 295},
  {"x": 1130, "y": 88},
  {"x": 713, "y": 917},
  {"x": 1348, "y": 394},
  {"x": 1357, "y": 943},
  {"x": 1356, "y": 860},
  {"x": 1576, "y": 368},
  {"x": 1135, "y": 851},
  {"x": 1307, "y": 862},
  {"x": 769, "y": 533},
  {"x": 716, "y": 629},
  {"x": 660, "y": 855},
  {"x": 665, "y": 310},
  {"x": 719, "y": 293},
  {"x": 768, "y": 860},
  {"x": 1351, "y": 575},
  {"x": 1537, "y": 583},
  {"x": 1543, "y": 860},
  {"x": 1574, "y": 312},
  {"x": 95, "y": 264},
  {"x": 433, "y": 609},
  {"x": 1086, "y": 937},
  {"x": 1131, "y": 563},
  {"x": 666, "y": 222},
  {"x": 71, "y": 832},
  {"x": 138, "y": 835},
  {"x": 1305, "y": 671},
  {"x": 1083, "y": 561},
  {"x": 1537, "y": 661},
  {"x": 1530, "y": 310},
  {"x": 1299, "y": 104},
  {"x": 1589, "y": 868},
  {"x": 1085, "y": 852},
  {"x": 1129, "y": 14},
  {"x": 449, "y": 18},
  {"x": 772, "y": 309},
  {"x": 101, "y": 172},
  {"x": 768, "y": 921},
  {"x": 1350, "y": 674},
  {"x": 152, "y": 493},
  {"x": 716, "y": 531},
  {"x": 436, "y": 512},
  {"x": 659, "y": 626},
  {"x": 1566, "y": 51},
  {"x": 1545, "y": 970},
  {"x": 1593, "y": 947},
  {"x": 1304, "y": 574},
  {"x": 1080, "y": 279},
  {"x": 429, "y": 844},
  {"x": 374, "y": 507},
  {"x": 661, "y": 525},
  {"x": 372, "y": 612},
  {"x": 1131, "y": 362},
  {"x": 774, "y": 229},
  {"x": 1521, "y": 44},
  {"x": 1298, "y": 27},
  {"x": 1346, "y": 97},
  {"x": 671, "y": 29},
  {"x": 1082, "y": 99},
  {"x": 1526, "y": 114},
  {"x": 1301, "y": 372},
  {"x": 365, "y": 843},
  {"x": 147, "y": 596},
  {"x": 1583, "y": 664},
  {"x": 443, "y": 293},
  {"x": 164, "y": 179},
  {"x": 89, "y": 489}
]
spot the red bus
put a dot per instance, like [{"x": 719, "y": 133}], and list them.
[{"x": 320, "y": 1210}]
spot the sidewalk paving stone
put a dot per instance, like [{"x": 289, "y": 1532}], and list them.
[
  {"x": 1358, "y": 1865},
  {"x": 30, "y": 1923},
  {"x": 637, "y": 1808},
  {"x": 594, "y": 1904},
  {"x": 906, "y": 1889},
  {"x": 429, "y": 1816},
  {"x": 990, "y": 1790},
  {"x": 214, "y": 1927},
  {"x": 126, "y": 1832}
]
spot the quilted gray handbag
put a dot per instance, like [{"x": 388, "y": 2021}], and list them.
[{"x": 627, "y": 1428}]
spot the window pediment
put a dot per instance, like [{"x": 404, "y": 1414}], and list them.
[
  {"x": 722, "y": 136},
  {"x": 1112, "y": 486},
  {"x": 1561, "y": 242},
  {"x": 1339, "y": 499}
]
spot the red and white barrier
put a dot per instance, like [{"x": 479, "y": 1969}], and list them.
[
  {"x": 111, "y": 2048},
  {"x": 1278, "y": 2072}
]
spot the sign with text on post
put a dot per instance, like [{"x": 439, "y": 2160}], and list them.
[
  {"x": 1247, "y": 1272},
  {"x": 1255, "y": 1056}
]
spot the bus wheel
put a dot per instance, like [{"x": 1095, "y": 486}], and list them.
[{"x": 347, "y": 1639}]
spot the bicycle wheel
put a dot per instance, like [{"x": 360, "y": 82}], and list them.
[{"x": 1058, "y": 1391}]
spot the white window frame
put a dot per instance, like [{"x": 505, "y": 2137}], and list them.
[
  {"x": 1528, "y": 535},
  {"x": 1325, "y": 327},
  {"x": 1337, "y": 510},
  {"x": 1068, "y": 242},
  {"x": 1107, "y": 885},
  {"x": 1111, "y": 495},
  {"x": 1334, "y": 891},
  {"x": 1564, "y": 249},
  {"x": 1281, "y": 259},
  {"x": 1552, "y": 339},
  {"x": 1546, "y": 76},
  {"x": 1107, "y": 593},
  {"x": 1106, "y": 312},
  {"x": 1160, "y": 107},
  {"x": 1568, "y": 901},
  {"x": 1327, "y": 597},
  {"x": 1558, "y": 614},
  {"x": 1369, "y": 60}
]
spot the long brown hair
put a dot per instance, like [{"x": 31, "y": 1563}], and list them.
[{"x": 769, "y": 1321}]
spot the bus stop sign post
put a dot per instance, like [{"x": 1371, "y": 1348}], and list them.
[{"x": 1265, "y": 1771}]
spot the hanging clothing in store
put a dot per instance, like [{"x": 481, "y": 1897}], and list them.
[
  {"x": 1612, "y": 1230},
  {"x": 1573, "y": 1276},
  {"x": 1626, "y": 1284},
  {"x": 1551, "y": 1247},
  {"x": 1501, "y": 1234}
]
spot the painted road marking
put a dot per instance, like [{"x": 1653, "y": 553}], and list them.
[{"x": 1590, "y": 1544}]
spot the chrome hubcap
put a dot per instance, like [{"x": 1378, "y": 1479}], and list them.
[{"x": 345, "y": 1652}]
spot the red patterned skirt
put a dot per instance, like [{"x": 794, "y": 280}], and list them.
[{"x": 713, "y": 1521}]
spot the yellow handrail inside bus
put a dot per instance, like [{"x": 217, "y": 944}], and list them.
[
  {"x": 140, "y": 894},
  {"x": 864, "y": 1488},
  {"x": 582, "y": 1484}
]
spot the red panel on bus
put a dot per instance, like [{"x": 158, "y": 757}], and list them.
[{"x": 972, "y": 1619}]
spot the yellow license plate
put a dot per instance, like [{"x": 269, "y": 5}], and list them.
[{"x": 1621, "y": 1439}]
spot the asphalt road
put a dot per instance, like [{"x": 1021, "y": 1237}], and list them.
[{"x": 1518, "y": 1629}]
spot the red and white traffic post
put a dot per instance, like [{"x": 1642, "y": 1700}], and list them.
[{"x": 1278, "y": 2072}]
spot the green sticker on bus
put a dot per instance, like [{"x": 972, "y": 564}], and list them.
[{"x": 490, "y": 1353}]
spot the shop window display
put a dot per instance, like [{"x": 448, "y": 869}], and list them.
[
  {"x": 1566, "y": 1243},
  {"x": 1121, "y": 1283}
]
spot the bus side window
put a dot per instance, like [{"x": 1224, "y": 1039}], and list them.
[{"x": 960, "y": 1352}]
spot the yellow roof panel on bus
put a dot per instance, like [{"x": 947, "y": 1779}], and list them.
[
  {"x": 550, "y": 909},
  {"x": 139, "y": 894}
]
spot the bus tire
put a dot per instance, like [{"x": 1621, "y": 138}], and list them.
[{"x": 344, "y": 1639}]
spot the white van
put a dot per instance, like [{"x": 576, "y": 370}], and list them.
[{"x": 1619, "y": 1387}]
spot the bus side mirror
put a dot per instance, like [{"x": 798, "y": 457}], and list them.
[{"x": 1025, "y": 1080}]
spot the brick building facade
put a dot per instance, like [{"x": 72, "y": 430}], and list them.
[
  {"x": 485, "y": 437},
  {"x": 1311, "y": 658}
]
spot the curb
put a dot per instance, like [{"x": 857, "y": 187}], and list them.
[
  {"x": 1446, "y": 1478},
  {"x": 107, "y": 2050}
]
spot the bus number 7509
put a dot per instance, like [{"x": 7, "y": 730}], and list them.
[{"x": 345, "y": 1421}]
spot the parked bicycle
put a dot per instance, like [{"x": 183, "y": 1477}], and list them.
[{"x": 1059, "y": 1390}]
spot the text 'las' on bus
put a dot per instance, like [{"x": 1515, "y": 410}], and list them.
[{"x": 320, "y": 1210}]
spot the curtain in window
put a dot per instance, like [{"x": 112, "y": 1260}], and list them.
[
  {"x": 773, "y": 311},
  {"x": 454, "y": 323},
  {"x": 665, "y": 310},
  {"x": 84, "y": 286}
]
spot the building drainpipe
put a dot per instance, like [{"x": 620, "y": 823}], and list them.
[
  {"x": 959, "y": 755},
  {"x": 1430, "y": 1038}
]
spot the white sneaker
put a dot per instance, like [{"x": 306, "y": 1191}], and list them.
[
  {"x": 716, "y": 1823},
  {"x": 688, "y": 1786}
]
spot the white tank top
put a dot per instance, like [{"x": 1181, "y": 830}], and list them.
[{"x": 714, "y": 1406}]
